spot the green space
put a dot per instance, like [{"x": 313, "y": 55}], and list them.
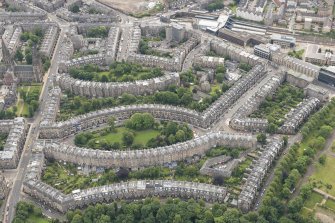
[
  {"x": 215, "y": 5},
  {"x": 28, "y": 213},
  {"x": 24, "y": 54},
  {"x": 279, "y": 204},
  {"x": 118, "y": 72},
  {"x": 330, "y": 204},
  {"x": 297, "y": 54},
  {"x": 28, "y": 99},
  {"x": 3, "y": 138},
  {"x": 72, "y": 105},
  {"x": 100, "y": 137},
  {"x": 97, "y": 32},
  {"x": 244, "y": 66},
  {"x": 321, "y": 177},
  {"x": 30, "y": 39},
  {"x": 140, "y": 132},
  {"x": 144, "y": 47},
  {"x": 276, "y": 106},
  {"x": 67, "y": 177},
  {"x": 153, "y": 210},
  {"x": 313, "y": 200}
]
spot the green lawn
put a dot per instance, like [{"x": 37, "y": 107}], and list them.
[
  {"x": 141, "y": 137},
  {"x": 326, "y": 175},
  {"x": 315, "y": 198},
  {"x": 35, "y": 219},
  {"x": 33, "y": 91},
  {"x": 330, "y": 204}
]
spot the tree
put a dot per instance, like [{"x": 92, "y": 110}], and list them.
[
  {"x": 261, "y": 138},
  {"x": 140, "y": 121},
  {"x": 122, "y": 173},
  {"x": 111, "y": 123},
  {"x": 128, "y": 138},
  {"x": 295, "y": 205},
  {"x": 19, "y": 55},
  {"x": 104, "y": 78},
  {"x": 219, "y": 77},
  {"x": 322, "y": 159},
  {"x": 75, "y": 9},
  {"x": 325, "y": 131},
  {"x": 218, "y": 180}
]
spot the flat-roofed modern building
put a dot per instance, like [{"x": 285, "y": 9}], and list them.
[
  {"x": 283, "y": 41},
  {"x": 327, "y": 75}
]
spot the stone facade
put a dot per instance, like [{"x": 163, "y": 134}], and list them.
[
  {"x": 124, "y": 190},
  {"x": 112, "y": 44},
  {"x": 165, "y": 112},
  {"x": 115, "y": 89},
  {"x": 10, "y": 156},
  {"x": 209, "y": 62},
  {"x": 14, "y": 17},
  {"x": 49, "y": 6},
  {"x": 235, "y": 53},
  {"x": 49, "y": 41},
  {"x": 97, "y": 118},
  {"x": 240, "y": 120},
  {"x": 258, "y": 173},
  {"x": 149, "y": 157},
  {"x": 4, "y": 189},
  {"x": 297, "y": 116},
  {"x": 296, "y": 64}
]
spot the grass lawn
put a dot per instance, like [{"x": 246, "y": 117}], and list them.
[
  {"x": 141, "y": 137},
  {"x": 325, "y": 175},
  {"x": 306, "y": 213},
  {"x": 22, "y": 107},
  {"x": 35, "y": 219},
  {"x": 315, "y": 198},
  {"x": 330, "y": 204}
]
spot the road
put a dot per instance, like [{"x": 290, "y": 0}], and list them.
[{"x": 14, "y": 195}]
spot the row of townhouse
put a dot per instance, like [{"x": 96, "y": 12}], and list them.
[
  {"x": 298, "y": 115},
  {"x": 14, "y": 17},
  {"x": 234, "y": 52},
  {"x": 49, "y": 40},
  {"x": 240, "y": 121},
  {"x": 125, "y": 190},
  {"x": 97, "y": 118},
  {"x": 16, "y": 138},
  {"x": 208, "y": 62},
  {"x": 225, "y": 101},
  {"x": 115, "y": 89},
  {"x": 165, "y": 112},
  {"x": 258, "y": 172},
  {"x": 135, "y": 159}
]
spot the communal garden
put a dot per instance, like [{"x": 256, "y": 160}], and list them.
[
  {"x": 145, "y": 48},
  {"x": 141, "y": 131},
  {"x": 28, "y": 98},
  {"x": 276, "y": 106},
  {"x": 118, "y": 72},
  {"x": 184, "y": 95},
  {"x": 67, "y": 177}
]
